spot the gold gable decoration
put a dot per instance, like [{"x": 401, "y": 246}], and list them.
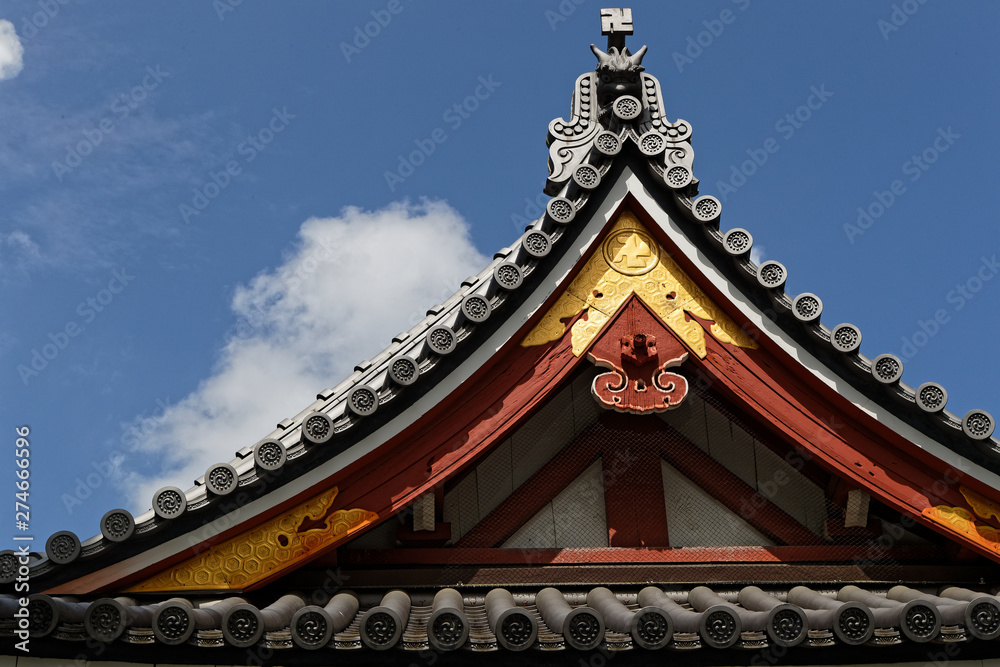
[
  {"x": 263, "y": 550},
  {"x": 631, "y": 262},
  {"x": 961, "y": 521}
]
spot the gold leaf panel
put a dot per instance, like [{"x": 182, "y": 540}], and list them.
[
  {"x": 631, "y": 262},
  {"x": 264, "y": 550}
]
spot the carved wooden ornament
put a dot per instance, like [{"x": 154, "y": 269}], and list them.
[{"x": 638, "y": 381}]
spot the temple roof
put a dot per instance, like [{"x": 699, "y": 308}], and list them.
[{"x": 616, "y": 151}]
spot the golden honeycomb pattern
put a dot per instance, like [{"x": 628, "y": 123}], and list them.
[
  {"x": 611, "y": 276},
  {"x": 961, "y": 521},
  {"x": 262, "y": 551}
]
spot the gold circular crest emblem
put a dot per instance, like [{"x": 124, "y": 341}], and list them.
[{"x": 631, "y": 252}]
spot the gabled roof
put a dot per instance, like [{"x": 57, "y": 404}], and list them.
[{"x": 610, "y": 155}]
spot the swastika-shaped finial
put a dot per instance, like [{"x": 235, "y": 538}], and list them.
[{"x": 616, "y": 23}]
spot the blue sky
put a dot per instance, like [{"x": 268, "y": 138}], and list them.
[{"x": 196, "y": 218}]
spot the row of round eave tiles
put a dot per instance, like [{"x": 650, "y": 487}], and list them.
[
  {"x": 887, "y": 369},
  {"x": 222, "y": 479}
]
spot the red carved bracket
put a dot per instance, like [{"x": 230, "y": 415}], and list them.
[{"x": 638, "y": 381}]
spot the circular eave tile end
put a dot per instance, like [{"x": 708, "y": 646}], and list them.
[
  {"x": 807, "y": 307},
  {"x": 63, "y": 547},
  {"x": 269, "y": 454},
  {"x": 362, "y": 401},
  {"x": 117, "y": 525},
  {"x": 169, "y": 502},
  {"x": 737, "y": 241},
  {"x": 978, "y": 424},
  {"x": 772, "y": 275},
  {"x": 404, "y": 371},
  {"x": 221, "y": 479},
  {"x": 887, "y": 368},
  {"x": 317, "y": 428},
  {"x": 931, "y": 397},
  {"x": 707, "y": 209},
  {"x": 845, "y": 338}
]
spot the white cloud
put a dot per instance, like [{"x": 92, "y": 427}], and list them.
[
  {"x": 11, "y": 51},
  {"x": 351, "y": 284},
  {"x": 757, "y": 254}
]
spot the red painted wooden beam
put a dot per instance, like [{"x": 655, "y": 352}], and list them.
[{"x": 451, "y": 556}]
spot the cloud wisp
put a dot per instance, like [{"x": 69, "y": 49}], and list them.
[
  {"x": 350, "y": 284},
  {"x": 11, "y": 51}
]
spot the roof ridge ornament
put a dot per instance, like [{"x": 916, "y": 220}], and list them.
[{"x": 616, "y": 103}]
